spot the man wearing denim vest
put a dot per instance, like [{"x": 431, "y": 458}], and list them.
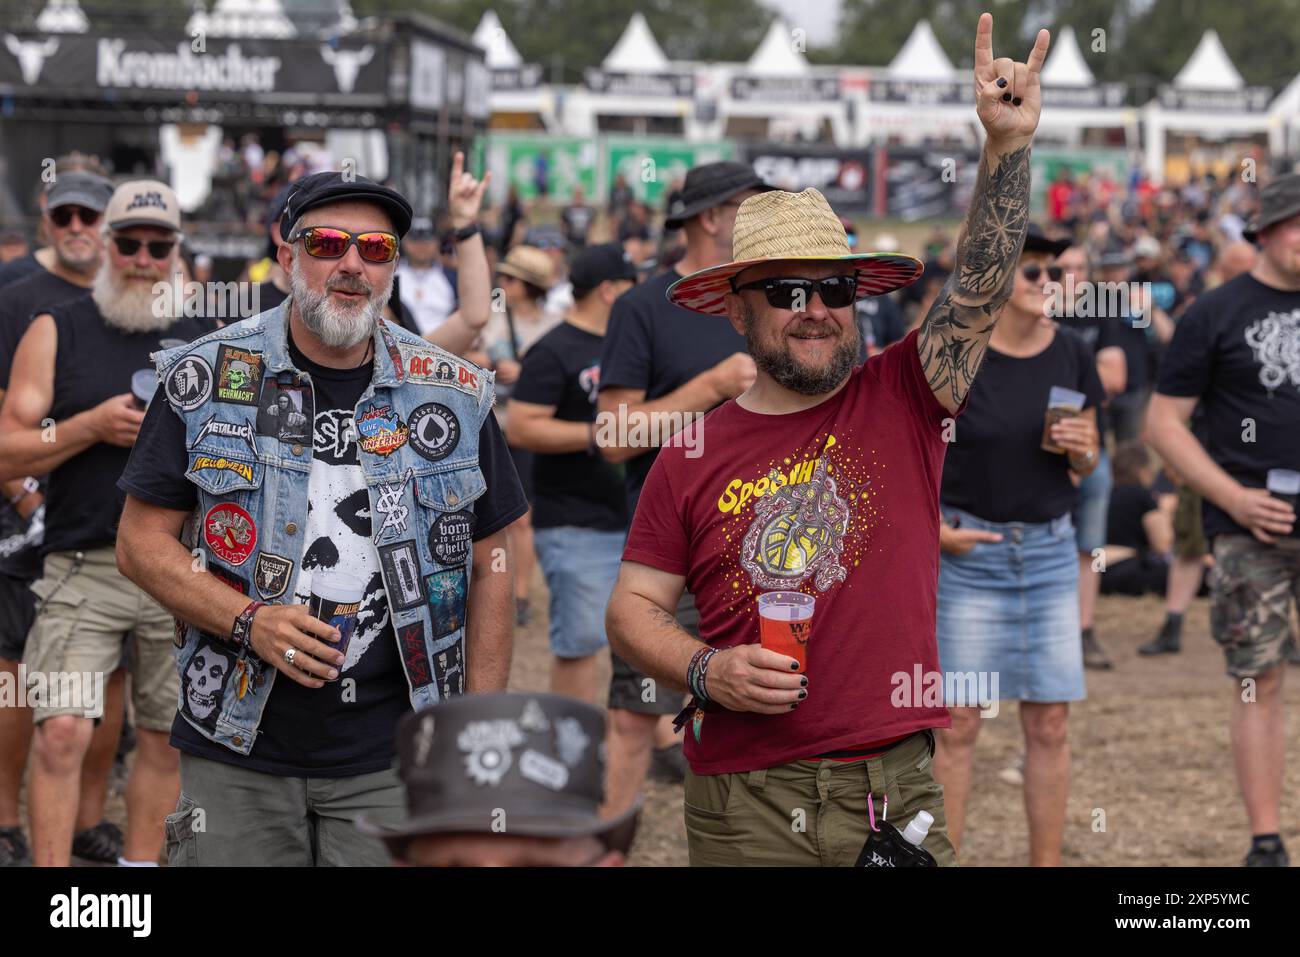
[{"x": 336, "y": 466}]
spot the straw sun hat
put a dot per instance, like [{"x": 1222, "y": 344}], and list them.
[
  {"x": 530, "y": 264},
  {"x": 780, "y": 225}
]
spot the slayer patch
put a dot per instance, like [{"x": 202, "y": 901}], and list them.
[{"x": 239, "y": 375}]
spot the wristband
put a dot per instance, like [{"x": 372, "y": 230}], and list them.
[
  {"x": 466, "y": 232},
  {"x": 30, "y": 486},
  {"x": 242, "y": 632}
]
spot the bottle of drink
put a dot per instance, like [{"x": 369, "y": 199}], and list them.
[{"x": 918, "y": 828}]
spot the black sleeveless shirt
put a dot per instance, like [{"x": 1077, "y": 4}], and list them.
[{"x": 95, "y": 361}]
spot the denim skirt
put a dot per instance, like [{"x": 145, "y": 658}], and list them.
[{"x": 1009, "y": 610}]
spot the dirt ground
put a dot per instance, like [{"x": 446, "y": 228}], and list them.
[{"x": 1150, "y": 750}]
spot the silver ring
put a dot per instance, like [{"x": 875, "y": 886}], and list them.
[{"x": 289, "y": 653}]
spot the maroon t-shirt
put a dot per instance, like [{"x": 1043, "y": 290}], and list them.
[{"x": 841, "y": 502}]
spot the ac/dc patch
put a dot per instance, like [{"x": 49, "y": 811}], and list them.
[
  {"x": 230, "y": 533},
  {"x": 446, "y": 594},
  {"x": 428, "y": 367},
  {"x": 401, "y": 567},
  {"x": 410, "y": 639},
  {"x": 379, "y": 429},
  {"x": 434, "y": 430},
  {"x": 450, "y": 535},
  {"x": 239, "y": 375}
]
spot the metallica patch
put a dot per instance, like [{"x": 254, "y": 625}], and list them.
[{"x": 227, "y": 430}]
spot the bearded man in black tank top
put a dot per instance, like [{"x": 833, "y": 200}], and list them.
[{"x": 70, "y": 412}]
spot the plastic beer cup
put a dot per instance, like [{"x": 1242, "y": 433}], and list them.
[{"x": 785, "y": 623}]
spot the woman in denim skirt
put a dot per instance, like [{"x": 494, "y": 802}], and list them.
[{"x": 1008, "y": 609}]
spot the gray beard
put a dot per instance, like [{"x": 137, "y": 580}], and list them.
[
  {"x": 338, "y": 327},
  {"x": 132, "y": 307},
  {"x": 788, "y": 373}
]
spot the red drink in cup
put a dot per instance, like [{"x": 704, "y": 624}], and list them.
[{"x": 785, "y": 623}]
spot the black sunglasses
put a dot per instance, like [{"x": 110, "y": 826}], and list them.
[
  {"x": 158, "y": 248},
  {"x": 1033, "y": 272},
  {"x": 62, "y": 216},
  {"x": 782, "y": 292}
]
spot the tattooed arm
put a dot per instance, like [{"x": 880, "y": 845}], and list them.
[
  {"x": 643, "y": 632},
  {"x": 955, "y": 333}
]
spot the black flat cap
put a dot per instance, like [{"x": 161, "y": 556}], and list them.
[
  {"x": 321, "y": 188},
  {"x": 1036, "y": 241}
]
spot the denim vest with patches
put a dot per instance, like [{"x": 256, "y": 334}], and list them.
[{"x": 417, "y": 430}]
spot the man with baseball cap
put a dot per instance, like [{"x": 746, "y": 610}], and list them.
[
  {"x": 343, "y": 577},
  {"x": 579, "y": 507},
  {"x": 663, "y": 364},
  {"x": 74, "y": 406},
  {"x": 1236, "y": 356},
  {"x": 504, "y": 780},
  {"x": 65, "y": 269},
  {"x": 809, "y": 517}
]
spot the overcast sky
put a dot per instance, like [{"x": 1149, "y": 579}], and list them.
[{"x": 818, "y": 17}]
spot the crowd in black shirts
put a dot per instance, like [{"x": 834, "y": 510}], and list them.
[{"x": 586, "y": 339}]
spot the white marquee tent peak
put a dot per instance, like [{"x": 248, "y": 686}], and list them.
[
  {"x": 921, "y": 57},
  {"x": 1065, "y": 65},
  {"x": 243, "y": 18},
  {"x": 776, "y": 54},
  {"x": 492, "y": 37},
  {"x": 637, "y": 50},
  {"x": 1208, "y": 68},
  {"x": 62, "y": 16}
]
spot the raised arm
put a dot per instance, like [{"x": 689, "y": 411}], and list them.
[
  {"x": 473, "y": 278},
  {"x": 956, "y": 331}
]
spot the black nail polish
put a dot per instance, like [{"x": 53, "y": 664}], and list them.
[
  {"x": 794, "y": 705},
  {"x": 804, "y": 682},
  {"x": 1002, "y": 81},
  {"x": 1016, "y": 102},
  {"x": 802, "y": 695},
  {"x": 794, "y": 666},
  {"x": 1006, "y": 97}
]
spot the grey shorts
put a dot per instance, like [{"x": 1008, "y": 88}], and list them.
[
  {"x": 229, "y": 816},
  {"x": 631, "y": 690}
]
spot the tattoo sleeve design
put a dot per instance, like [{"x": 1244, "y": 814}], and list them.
[{"x": 955, "y": 333}]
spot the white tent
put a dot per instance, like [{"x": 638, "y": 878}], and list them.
[
  {"x": 1073, "y": 101},
  {"x": 1208, "y": 68},
  {"x": 1207, "y": 98},
  {"x": 62, "y": 16},
  {"x": 243, "y": 18},
  {"x": 492, "y": 37},
  {"x": 921, "y": 57},
  {"x": 637, "y": 50},
  {"x": 776, "y": 54}
]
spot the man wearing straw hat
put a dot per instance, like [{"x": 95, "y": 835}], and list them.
[{"x": 815, "y": 499}]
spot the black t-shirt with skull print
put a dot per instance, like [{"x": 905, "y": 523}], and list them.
[
  {"x": 1237, "y": 350},
  {"x": 347, "y": 727}
]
